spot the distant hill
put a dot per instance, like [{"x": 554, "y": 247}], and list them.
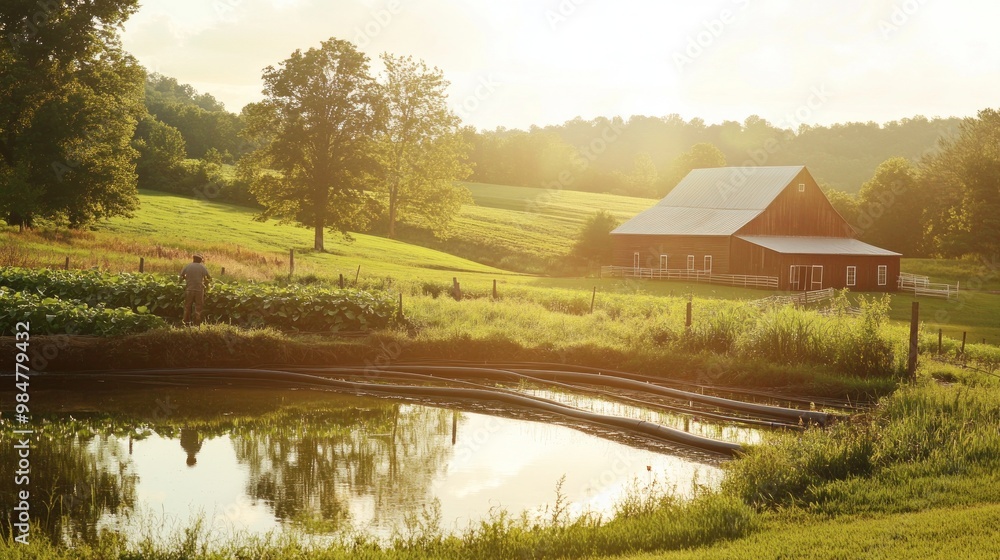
[{"x": 610, "y": 155}]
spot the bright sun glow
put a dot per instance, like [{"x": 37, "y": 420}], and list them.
[{"x": 526, "y": 62}]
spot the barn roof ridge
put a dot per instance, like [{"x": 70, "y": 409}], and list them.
[{"x": 713, "y": 201}]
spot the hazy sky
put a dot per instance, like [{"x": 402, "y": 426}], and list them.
[{"x": 514, "y": 63}]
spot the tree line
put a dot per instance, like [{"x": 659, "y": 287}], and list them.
[{"x": 334, "y": 147}]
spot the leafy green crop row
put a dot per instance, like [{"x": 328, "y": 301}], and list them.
[
  {"x": 55, "y": 316},
  {"x": 300, "y": 308}
]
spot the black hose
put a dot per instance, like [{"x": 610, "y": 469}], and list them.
[
  {"x": 390, "y": 374},
  {"x": 526, "y": 366},
  {"x": 821, "y": 418},
  {"x": 648, "y": 429}
]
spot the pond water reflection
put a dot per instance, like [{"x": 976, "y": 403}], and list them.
[{"x": 256, "y": 461}]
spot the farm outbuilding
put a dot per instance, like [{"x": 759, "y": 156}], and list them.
[{"x": 760, "y": 226}]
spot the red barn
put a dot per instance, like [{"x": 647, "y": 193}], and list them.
[{"x": 771, "y": 224}]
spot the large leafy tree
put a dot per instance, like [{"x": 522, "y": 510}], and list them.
[
  {"x": 161, "y": 151},
  {"x": 701, "y": 156},
  {"x": 201, "y": 119},
  {"x": 965, "y": 178},
  {"x": 315, "y": 127},
  {"x": 890, "y": 208},
  {"x": 594, "y": 242},
  {"x": 419, "y": 147},
  {"x": 70, "y": 97}
]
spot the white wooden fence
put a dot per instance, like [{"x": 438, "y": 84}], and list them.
[
  {"x": 922, "y": 286},
  {"x": 693, "y": 275}
]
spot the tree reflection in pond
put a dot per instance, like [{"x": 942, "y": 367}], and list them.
[
  {"x": 256, "y": 460},
  {"x": 310, "y": 458},
  {"x": 316, "y": 469},
  {"x": 75, "y": 480}
]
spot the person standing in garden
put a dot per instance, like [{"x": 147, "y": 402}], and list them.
[{"x": 197, "y": 277}]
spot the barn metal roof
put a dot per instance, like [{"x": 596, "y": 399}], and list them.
[
  {"x": 660, "y": 220},
  {"x": 816, "y": 245},
  {"x": 731, "y": 188},
  {"x": 715, "y": 201}
]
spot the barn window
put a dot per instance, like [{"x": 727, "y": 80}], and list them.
[
  {"x": 663, "y": 262},
  {"x": 852, "y": 275},
  {"x": 708, "y": 263},
  {"x": 635, "y": 260},
  {"x": 883, "y": 274},
  {"x": 802, "y": 187},
  {"x": 690, "y": 262}
]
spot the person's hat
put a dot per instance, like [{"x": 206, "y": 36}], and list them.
[{"x": 198, "y": 256}]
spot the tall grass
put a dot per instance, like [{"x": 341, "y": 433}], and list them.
[
  {"x": 867, "y": 346},
  {"x": 928, "y": 432}
]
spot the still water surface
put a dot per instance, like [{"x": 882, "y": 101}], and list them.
[{"x": 154, "y": 462}]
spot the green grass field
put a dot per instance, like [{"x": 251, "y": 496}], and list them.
[
  {"x": 510, "y": 227},
  {"x": 526, "y": 229}
]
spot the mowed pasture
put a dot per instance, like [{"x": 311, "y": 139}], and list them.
[{"x": 516, "y": 227}]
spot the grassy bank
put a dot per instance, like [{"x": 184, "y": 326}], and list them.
[
  {"x": 729, "y": 343},
  {"x": 915, "y": 477}
]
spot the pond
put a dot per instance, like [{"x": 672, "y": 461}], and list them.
[{"x": 154, "y": 461}]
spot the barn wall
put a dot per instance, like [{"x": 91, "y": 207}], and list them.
[
  {"x": 747, "y": 258},
  {"x": 806, "y": 213},
  {"x": 677, "y": 248}
]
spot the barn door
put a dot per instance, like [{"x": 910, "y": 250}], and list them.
[
  {"x": 817, "y": 277},
  {"x": 798, "y": 277}
]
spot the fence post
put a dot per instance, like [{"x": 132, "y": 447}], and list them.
[
  {"x": 963, "y": 342},
  {"x": 400, "y": 305},
  {"x": 341, "y": 280},
  {"x": 494, "y": 289},
  {"x": 911, "y": 364},
  {"x": 223, "y": 273},
  {"x": 291, "y": 262},
  {"x": 142, "y": 264},
  {"x": 687, "y": 320},
  {"x": 458, "y": 291},
  {"x": 939, "y": 341},
  {"x": 66, "y": 266},
  {"x": 357, "y": 275},
  {"x": 592, "y": 298}
]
